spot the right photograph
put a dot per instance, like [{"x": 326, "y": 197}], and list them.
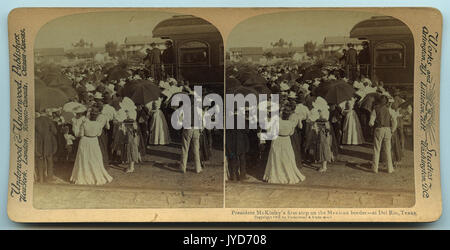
[{"x": 338, "y": 89}]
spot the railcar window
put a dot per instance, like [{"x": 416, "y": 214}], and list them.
[
  {"x": 194, "y": 52},
  {"x": 389, "y": 54}
]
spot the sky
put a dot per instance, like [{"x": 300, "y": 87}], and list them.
[
  {"x": 297, "y": 26},
  {"x": 99, "y": 28}
]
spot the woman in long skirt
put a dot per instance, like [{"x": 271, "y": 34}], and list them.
[
  {"x": 352, "y": 131},
  {"x": 88, "y": 168},
  {"x": 159, "y": 131},
  {"x": 281, "y": 167}
]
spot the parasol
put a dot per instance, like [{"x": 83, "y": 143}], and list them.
[
  {"x": 246, "y": 73},
  {"x": 68, "y": 90},
  {"x": 38, "y": 83},
  {"x": 262, "y": 89},
  {"x": 232, "y": 83},
  {"x": 336, "y": 92},
  {"x": 289, "y": 76},
  {"x": 117, "y": 74},
  {"x": 244, "y": 91},
  {"x": 46, "y": 97},
  {"x": 55, "y": 79},
  {"x": 255, "y": 80},
  {"x": 141, "y": 91},
  {"x": 312, "y": 73}
]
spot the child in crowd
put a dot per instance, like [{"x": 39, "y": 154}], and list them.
[{"x": 69, "y": 138}]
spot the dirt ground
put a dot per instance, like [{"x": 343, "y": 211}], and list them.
[
  {"x": 157, "y": 182},
  {"x": 349, "y": 182}
]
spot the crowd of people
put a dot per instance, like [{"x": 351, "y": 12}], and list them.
[
  {"x": 107, "y": 120},
  {"x": 322, "y": 107}
]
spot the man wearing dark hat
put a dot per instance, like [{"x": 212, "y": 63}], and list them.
[
  {"x": 364, "y": 60},
  {"x": 153, "y": 62},
  {"x": 384, "y": 124},
  {"x": 352, "y": 62},
  {"x": 168, "y": 60}
]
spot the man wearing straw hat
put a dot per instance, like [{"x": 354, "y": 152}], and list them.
[
  {"x": 191, "y": 137},
  {"x": 385, "y": 125}
]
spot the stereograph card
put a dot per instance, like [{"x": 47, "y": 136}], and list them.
[{"x": 224, "y": 114}]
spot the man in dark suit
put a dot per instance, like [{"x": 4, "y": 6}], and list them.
[
  {"x": 364, "y": 113},
  {"x": 152, "y": 62},
  {"x": 352, "y": 62},
  {"x": 364, "y": 60},
  {"x": 168, "y": 60},
  {"x": 46, "y": 146}
]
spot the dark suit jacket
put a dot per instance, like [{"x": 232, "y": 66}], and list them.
[
  {"x": 364, "y": 56},
  {"x": 352, "y": 57},
  {"x": 155, "y": 56},
  {"x": 46, "y": 142},
  {"x": 168, "y": 56}
]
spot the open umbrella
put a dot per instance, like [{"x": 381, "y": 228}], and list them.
[
  {"x": 38, "y": 83},
  {"x": 55, "y": 79},
  {"x": 289, "y": 76},
  {"x": 255, "y": 80},
  {"x": 69, "y": 91},
  {"x": 117, "y": 74},
  {"x": 46, "y": 97},
  {"x": 141, "y": 91},
  {"x": 370, "y": 100},
  {"x": 246, "y": 73},
  {"x": 336, "y": 92},
  {"x": 232, "y": 83},
  {"x": 244, "y": 91},
  {"x": 262, "y": 89}
]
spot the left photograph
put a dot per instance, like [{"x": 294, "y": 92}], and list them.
[{"x": 105, "y": 123}]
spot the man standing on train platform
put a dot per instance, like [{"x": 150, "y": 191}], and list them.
[
  {"x": 364, "y": 60},
  {"x": 152, "y": 62},
  {"x": 385, "y": 124},
  {"x": 352, "y": 62},
  {"x": 168, "y": 60}
]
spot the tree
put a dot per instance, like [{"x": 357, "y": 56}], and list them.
[
  {"x": 112, "y": 49},
  {"x": 268, "y": 55},
  {"x": 310, "y": 48},
  {"x": 70, "y": 55},
  {"x": 82, "y": 44},
  {"x": 280, "y": 43}
]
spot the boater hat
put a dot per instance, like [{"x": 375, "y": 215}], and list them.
[
  {"x": 98, "y": 95},
  {"x": 79, "y": 109}
]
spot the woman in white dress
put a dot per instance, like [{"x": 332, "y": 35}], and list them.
[
  {"x": 281, "y": 166},
  {"x": 159, "y": 131},
  {"x": 88, "y": 168},
  {"x": 352, "y": 133}
]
